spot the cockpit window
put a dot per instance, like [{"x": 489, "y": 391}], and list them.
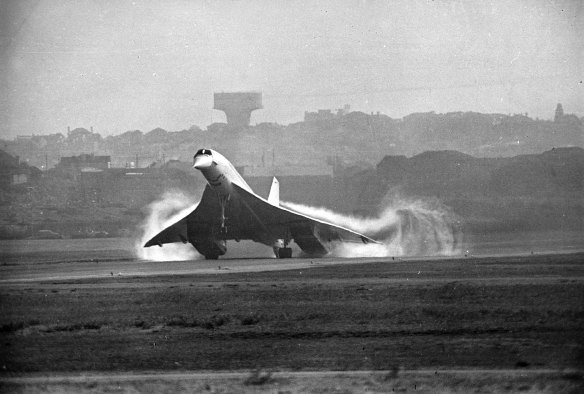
[{"x": 203, "y": 152}]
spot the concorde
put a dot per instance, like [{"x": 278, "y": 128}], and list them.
[{"x": 230, "y": 210}]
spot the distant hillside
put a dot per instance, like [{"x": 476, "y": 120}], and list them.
[{"x": 348, "y": 139}]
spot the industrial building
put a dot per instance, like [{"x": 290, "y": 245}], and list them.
[{"x": 14, "y": 172}]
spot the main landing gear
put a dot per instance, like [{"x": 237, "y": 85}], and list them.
[
  {"x": 283, "y": 253},
  {"x": 281, "y": 249}
]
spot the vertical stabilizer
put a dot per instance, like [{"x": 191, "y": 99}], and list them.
[{"x": 274, "y": 196}]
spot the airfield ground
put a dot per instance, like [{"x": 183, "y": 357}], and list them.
[{"x": 75, "y": 320}]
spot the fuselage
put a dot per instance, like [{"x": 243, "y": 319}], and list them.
[
  {"x": 219, "y": 172},
  {"x": 221, "y": 175}
]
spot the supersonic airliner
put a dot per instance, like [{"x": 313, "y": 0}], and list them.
[{"x": 230, "y": 210}]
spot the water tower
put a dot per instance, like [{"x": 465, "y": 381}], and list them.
[{"x": 238, "y": 106}]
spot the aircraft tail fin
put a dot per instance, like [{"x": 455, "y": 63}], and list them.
[{"x": 274, "y": 196}]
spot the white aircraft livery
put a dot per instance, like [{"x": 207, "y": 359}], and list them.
[{"x": 230, "y": 210}]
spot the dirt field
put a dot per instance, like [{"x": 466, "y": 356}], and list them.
[
  {"x": 508, "y": 314},
  {"x": 418, "y": 381}
]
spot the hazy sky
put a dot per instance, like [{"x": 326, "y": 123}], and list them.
[{"x": 122, "y": 65}]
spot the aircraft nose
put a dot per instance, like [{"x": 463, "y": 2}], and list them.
[{"x": 202, "y": 161}]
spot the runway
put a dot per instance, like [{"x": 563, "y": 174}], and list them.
[
  {"x": 30, "y": 261},
  {"x": 96, "y": 268},
  {"x": 414, "y": 270}
]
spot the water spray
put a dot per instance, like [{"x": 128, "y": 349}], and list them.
[
  {"x": 404, "y": 227},
  {"x": 170, "y": 208}
]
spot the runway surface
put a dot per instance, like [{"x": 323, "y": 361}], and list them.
[
  {"x": 96, "y": 268},
  {"x": 45, "y": 260}
]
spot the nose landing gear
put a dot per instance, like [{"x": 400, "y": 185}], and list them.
[{"x": 223, "y": 200}]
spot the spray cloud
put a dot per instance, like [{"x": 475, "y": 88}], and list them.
[
  {"x": 171, "y": 207},
  {"x": 404, "y": 227}
]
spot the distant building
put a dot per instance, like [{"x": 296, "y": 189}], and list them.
[
  {"x": 128, "y": 186},
  {"x": 320, "y": 115},
  {"x": 326, "y": 114},
  {"x": 24, "y": 137},
  {"x": 13, "y": 172},
  {"x": 74, "y": 165},
  {"x": 559, "y": 113},
  {"x": 566, "y": 119},
  {"x": 85, "y": 162},
  {"x": 285, "y": 170}
]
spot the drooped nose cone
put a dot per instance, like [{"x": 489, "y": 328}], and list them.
[{"x": 202, "y": 161}]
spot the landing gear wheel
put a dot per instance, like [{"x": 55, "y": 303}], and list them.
[
  {"x": 212, "y": 257},
  {"x": 284, "y": 253}
]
